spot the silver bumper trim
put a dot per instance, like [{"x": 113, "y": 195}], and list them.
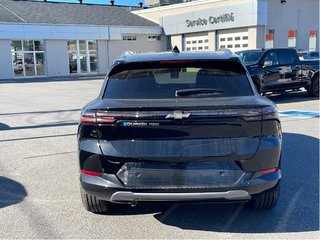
[{"x": 140, "y": 197}]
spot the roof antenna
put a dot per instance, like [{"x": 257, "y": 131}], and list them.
[{"x": 175, "y": 50}]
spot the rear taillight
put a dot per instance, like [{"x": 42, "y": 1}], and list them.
[
  {"x": 271, "y": 170},
  {"x": 87, "y": 117},
  {"x": 96, "y": 117},
  {"x": 105, "y": 118},
  {"x": 90, "y": 173},
  {"x": 267, "y": 113},
  {"x": 175, "y": 61},
  {"x": 270, "y": 113}
]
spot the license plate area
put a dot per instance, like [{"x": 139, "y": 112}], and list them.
[{"x": 165, "y": 175}]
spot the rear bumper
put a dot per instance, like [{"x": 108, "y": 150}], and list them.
[
  {"x": 126, "y": 196},
  {"x": 109, "y": 188}
]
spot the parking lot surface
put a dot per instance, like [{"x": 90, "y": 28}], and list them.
[{"x": 39, "y": 176}]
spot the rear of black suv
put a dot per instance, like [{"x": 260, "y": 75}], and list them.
[{"x": 179, "y": 127}]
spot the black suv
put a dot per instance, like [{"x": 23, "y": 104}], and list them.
[{"x": 179, "y": 127}]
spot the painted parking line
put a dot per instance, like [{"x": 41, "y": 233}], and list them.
[{"x": 299, "y": 114}]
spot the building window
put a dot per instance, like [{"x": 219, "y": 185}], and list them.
[
  {"x": 229, "y": 38},
  {"x": 188, "y": 49},
  {"x": 206, "y": 47},
  {"x": 129, "y": 38},
  {"x": 93, "y": 55},
  {"x": 206, "y": 40},
  {"x": 200, "y": 41},
  {"x": 83, "y": 56},
  {"x": 154, "y": 38},
  {"x": 194, "y": 42},
  {"x": 194, "y": 48},
  {"x": 222, "y": 46},
  {"x": 245, "y": 38},
  {"x": 222, "y": 39},
  {"x": 237, "y": 38},
  {"x": 28, "y": 58},
  {"x": 237, "y": 46},
  {"x": 245, "y": 45},
  {"x": 229, "y": 46},
  {"x": 200, "y": 48},
  {"x": 188, "y": 42}
]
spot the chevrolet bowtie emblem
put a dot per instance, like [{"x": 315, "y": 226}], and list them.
[{"x": 178, "y": 115}]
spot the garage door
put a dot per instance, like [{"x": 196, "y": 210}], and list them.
[
  {"x": 197, "y": 43},
  {"x": 233, "y": 41}
]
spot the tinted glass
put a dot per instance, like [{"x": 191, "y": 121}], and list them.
[
  {"x": 72, "y": 45},
  {"x": 249, "y": 56},
  {"x": 39, "y": 45},
  {"x": 286, "y": 57},
  {"x": 16, "y": 46},
  {"x": 93, "y": 62},
  {"x": 28, "y": 46},
  {"x": 29, "y": 64},
  {"x": 72, "y": 53},
  {"x": 83, "y": 61},
  {"x": 18, "y": 64},
  {"x": 40, "y": 63},
  {"x": 92, "y": 45},
  {"x": 163, "y": 82},
  {"x": 82, "y": 45},
  {"x": 272, "y": 57}
]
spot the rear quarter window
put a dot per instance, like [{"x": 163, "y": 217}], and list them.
[{"x": 161, "y": 81}]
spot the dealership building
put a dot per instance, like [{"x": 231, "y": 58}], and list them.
[
  {"x": 47, "y": 39},
  {"x": 238, "y": 24}
]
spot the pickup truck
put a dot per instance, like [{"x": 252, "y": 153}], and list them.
[{"x": 280, "y": 69}]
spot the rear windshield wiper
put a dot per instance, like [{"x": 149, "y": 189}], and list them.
[{"x": 197, "y": 91}]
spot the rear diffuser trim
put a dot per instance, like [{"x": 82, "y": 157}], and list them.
[{"x": 127, "y": 196}]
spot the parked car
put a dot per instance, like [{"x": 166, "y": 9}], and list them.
[
  {"x": 177, "y": 127},
  {"x": 18, "y": 66},
  {"x": 278, "y": 70},
  {"x": 312, "y": 55}
]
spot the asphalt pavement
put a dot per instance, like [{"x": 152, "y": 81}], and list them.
[{"x": 39, "y": 176}]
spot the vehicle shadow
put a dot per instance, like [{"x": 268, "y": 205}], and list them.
[
  {"x": 297, "y": 210},
  {"x": 11, "y": 192},
  {"x": 291, "y": 97}
]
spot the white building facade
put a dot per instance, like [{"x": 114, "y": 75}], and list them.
[
  {"x": 53, "y": 45},
  {"x": 238, "y": 24},
  {"x": 46, "y": 39},
  {"x": 39, "y": 50}
]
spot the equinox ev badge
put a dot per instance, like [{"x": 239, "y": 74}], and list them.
[{"x": 178, "y": 115}]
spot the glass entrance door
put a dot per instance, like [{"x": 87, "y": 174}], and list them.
[{"x": 82, "y": 56}]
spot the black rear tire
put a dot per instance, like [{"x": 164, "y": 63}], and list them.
[
  {"x": 93, "y": 204},
  {"x": 266, "y": 200},
  {"x": 313, "y": 90}
]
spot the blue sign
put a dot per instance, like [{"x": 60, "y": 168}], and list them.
[{"x": 299, "y": 114}]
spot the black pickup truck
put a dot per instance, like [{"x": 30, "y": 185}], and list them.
[{"x": 279, "y": 70}]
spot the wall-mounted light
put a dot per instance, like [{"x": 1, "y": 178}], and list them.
[{"x": 283, "y": 1}]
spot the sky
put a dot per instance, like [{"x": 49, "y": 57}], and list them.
[{"x": 117, "y": 2}]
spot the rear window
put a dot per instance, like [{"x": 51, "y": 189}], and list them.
[
  {"x": 249, "y": 56},
  {"x": 162, "y": 81}
]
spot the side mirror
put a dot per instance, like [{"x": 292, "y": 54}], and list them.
[{"x": 267, "y": 63}]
